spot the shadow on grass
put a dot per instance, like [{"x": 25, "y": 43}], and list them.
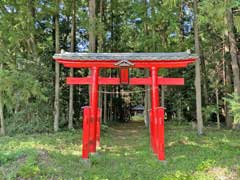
[{"x": 124, "y": 154}]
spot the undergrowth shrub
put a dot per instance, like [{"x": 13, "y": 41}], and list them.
[
  {"x": 34, "y": 118},
  {"x": 234, "y": 102}
]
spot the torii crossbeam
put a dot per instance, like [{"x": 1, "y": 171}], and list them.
[{"x": 124, "y": 61}]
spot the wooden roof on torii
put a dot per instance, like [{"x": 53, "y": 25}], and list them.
[{"x": 135, "y": 60}]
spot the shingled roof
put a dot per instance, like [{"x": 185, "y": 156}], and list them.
[{"x": 126, "y": 56}]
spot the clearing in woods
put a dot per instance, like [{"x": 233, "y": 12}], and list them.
[{"x": 124, "y": 154}]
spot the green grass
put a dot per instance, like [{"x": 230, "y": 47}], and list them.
[{"x": 124, "y": 154}]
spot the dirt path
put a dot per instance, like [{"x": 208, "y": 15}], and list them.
[{"x": 126, "y": 133}]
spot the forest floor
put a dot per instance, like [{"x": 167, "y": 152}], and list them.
[{"x": 124, "y": 154}]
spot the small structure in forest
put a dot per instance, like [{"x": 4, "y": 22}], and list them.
[
  {"x": 124, "y": 61},
  {"x": 137, "y": 110}
]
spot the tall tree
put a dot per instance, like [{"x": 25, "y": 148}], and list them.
[
  {"x": 204, "y": 79},
  {"x": 91, "y": 32},
  {"x": 233, "y": 50},
  {"x": 227, "y": 78},
  {"x": 57, "y": 70},
  {"x": 101, "y": 26},
  {"x": 101, "y": 49},
  {"x": 72, "y": 49},
  {"x": 229, "y": 21},
  {"x": 197, "y": 72},
  {"x": 147, "y": 97},
  {"x": 92, "y": 25},
  {"x": 102, "y": 97},
  {"x": 2, "y": 128}
]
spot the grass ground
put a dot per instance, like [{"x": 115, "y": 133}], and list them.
[{"x": 124, "y": 154}]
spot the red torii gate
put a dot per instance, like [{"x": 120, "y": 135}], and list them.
[{"x": 123, "y": 61}]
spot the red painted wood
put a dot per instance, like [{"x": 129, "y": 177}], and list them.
[
  {"x": 76, "y": 80},
  {"x": 94, "y": 108},
  {"x": 124, "y": 75},
  {"x": 85, "y": 132},
  {"x": 110, "y": 81},
  {"x": 91, "y": 121},
  {"x": 140, "y": 81},
  {"x": 155, "y": 105},
  {"x": 170, "y": 81},
  {"x": 151, "y": 129},
  {"x": 137, "y": 64},
  {"x": 161, "y": 153},
  {"x": 98, "y": 127},
  {"x": 132, "y": 81}
]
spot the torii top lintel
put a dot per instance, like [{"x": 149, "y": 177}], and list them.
[{"x": 134, "y": 60}]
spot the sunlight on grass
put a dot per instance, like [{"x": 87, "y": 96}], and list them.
[{"x": 124, "y": 154}]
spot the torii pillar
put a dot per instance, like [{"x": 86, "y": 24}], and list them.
[{"x": 151, "y": 61}]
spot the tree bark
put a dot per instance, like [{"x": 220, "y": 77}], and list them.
[
  {"x": 163, "y": 95},
  {"x": 101, "y": 34},
  {"x": 229, "y": 118},
  {"x": 233, "y": 51},
  {"x": 105, "y": 106},
  {"x": 204, "y": 78},
  {"x": 92, "y": 25},
  {"x": 198, "y": 73},
  {"x": 217, "y": 105},
  {"x": 228, "y": 80},
  {"x": 91, "y": 30},
  {"x": 100, "y": 49},
  {"x": 147, "y": 99},
  {"x": 2, "y": 127},
  {"x": 57, "y": 71},
  {"x": 147, "y": 102},
  {"x": 73, "y": 42}
]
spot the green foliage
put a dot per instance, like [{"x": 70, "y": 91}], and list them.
[
  {"x": 30, "y": 168},
  {"x": 19, "y": 87},
  {"x": 6, "y": 157},
  {"x": 27, "y": 45},
  {"x": 208, "y": 111},
  {"x": 206, "y": 165},
  {"x": 234, "y": 101},
  {"x": 28, "y": 171},
  {"x": 25, "y": 75},
  {"x": 188, "y": 176},
  {"x": 178, "y": 176}
]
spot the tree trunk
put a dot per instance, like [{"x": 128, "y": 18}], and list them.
[
  {"x": 147, "y": 97},
  {"x": 100, "y": 49},
  {"x": 233, "y": 51},
  {"x": 204, "y": 78},
  {"x": 57, "y": 71},
  {"x": 111, "y": 108},
  {"x": 228, "y": 81},
  {"x": 92, "y": 25},
  {"x": 2, "y": 128},
  {"x": 229, "y": 117},
  {"x": 92, "y": 36},
  {"x": 105, "y": 116},
  {"x": 147, "y": 102},
  {"x": 217, "y": 105},
  {"x": 163, "y": 95},
  {"x": 73, "y": 42},
  {"x": 198, "y": 73},
  {"x": 101, "y": 34},
  {"x": 105, "y": 105},
  {"x": 100, "y": 102}
]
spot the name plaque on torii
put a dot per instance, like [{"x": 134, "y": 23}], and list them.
[{"x": 124, "y": 61}]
